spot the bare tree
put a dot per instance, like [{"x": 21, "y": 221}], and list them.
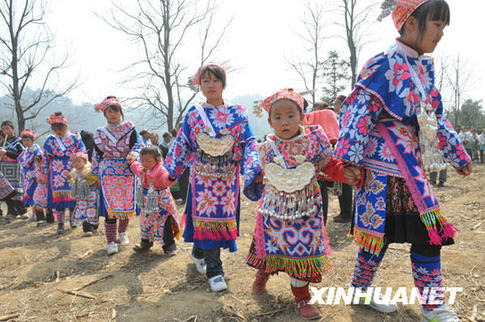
[
  {"x": 356, "y": 16},
  {"x": 26, "y": 46},
  {"x": 161, "y": 27},
  {"x": 458, "y": 78},
  {"x": 310, "y": 70}
]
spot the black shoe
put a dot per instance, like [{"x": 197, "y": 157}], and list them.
[
  {"x": 143, "y": 246},
  {"x": 60, "y": 228},
  {"x": 49, "y": 216},
  {"x": 341, "y": 219},
  {"x": 441, "y": 185}
]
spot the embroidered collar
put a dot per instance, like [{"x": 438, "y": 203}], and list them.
[{"x": 407, "y": 49}]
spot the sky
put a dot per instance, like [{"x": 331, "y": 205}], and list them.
[{"x": 260, "y": 41}]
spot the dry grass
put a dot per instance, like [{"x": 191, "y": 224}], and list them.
[{"x": 47, "y": 278}]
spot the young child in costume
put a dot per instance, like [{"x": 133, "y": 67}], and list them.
[
  {"x": 290, "y": 233},
  {"x": 158, "y": 218},
  {"x": 56, "y": 164},
  {"x": 29, "y": 179},
  {"x": 394, "y": 128},
  {"x": 113, "y": 143},
  {"x": 84, "y": 191},
  {"x": 216, "y": 141},
  {"x": 40, "y": 195}
]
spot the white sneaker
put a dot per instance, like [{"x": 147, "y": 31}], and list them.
[
  {"x": 217, "y": 283},
  {"x": 123, "y": 238},
  {"x": 112, "y": 248},
  {"x": 199, "y": 264},
  {"x": 382, "y": 305},
  {"x": 442, "y": 313},
  {"x": 88, "y": 234},
  {"x": 30, "y": 219}
]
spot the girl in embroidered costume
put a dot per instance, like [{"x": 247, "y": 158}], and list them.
[
  {"x": 40, "y": 193},
  {"x": 216, "y": 141},
  {"x": 290, "y": 233},
  {"x": 10, "y": 149},
  {"x": 84, "y": 191},
  {"x": 393, "y": 127},
  {"x": 159, "y": 218},
  {"x": 114, "y": 142},
  {"x": 56, "y": 164},
  {"x": 29, "y": 171}
]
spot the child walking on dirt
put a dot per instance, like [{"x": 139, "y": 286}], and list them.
[
  {"x": 216, "y": 141},
  {"x": 158, "y": 218},
  {"x": 290, "y": 233},
  {"x": 29, "y": 180},
  {"x": 394, "y": 128},
  {"x": 84, "y": 191}
]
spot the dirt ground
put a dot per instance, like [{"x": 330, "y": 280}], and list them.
[{"x": 37, "y": 269}]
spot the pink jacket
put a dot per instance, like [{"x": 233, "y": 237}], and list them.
[
  {"x": 158, "y": 175},
  {"x": 327, "y": 120}
]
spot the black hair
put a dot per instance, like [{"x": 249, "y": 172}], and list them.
[
  {"x": 434, "y": 10},
  {"x": 8, "y": 123},
  {"x": 218, "y": 72},
  {"x": 2, "y": 134},
  {"x": 58, "y": 126},
  {"x": 174, "y": 133},
  {"x": 285, "y": 99},
  {"x": 321, "y": 104},
  {"x": 166, "y": 134},
  {"x": 153, "y": 151}
]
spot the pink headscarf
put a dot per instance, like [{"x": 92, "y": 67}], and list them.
[
  {"x": 108, "y": 102},
  {"x": 57, "y": 119},
  {"x": 288, "y": 94},
  {"x": 27, "y": 132},
  {"x": 401, "y": 10}
]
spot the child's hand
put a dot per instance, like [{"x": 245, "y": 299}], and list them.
[
  {"x": 465, "y": 171},
  {"x": 352, "y": 175},
  {"x": 68, "y": 176},
  {"x": 131, "y": 158}
]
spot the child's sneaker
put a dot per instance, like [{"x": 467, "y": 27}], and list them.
[
  {"x": 88, "y": 234},
  {"x": 123, "y": 238},
  {"x": 441, "y": 313},
  {"x": 143, "y": 246},
  {"x": 60, "y": 228},
  {"x": 171, "y": 253},
  {"x": 30, "y": 219},
  {"x": 199, "y": 264},
  {"x": 383, "y": 306},
  {"x": 41, "y": 223},
  {"x": 217, "y": 283},
  {"x": 112, "y": 248}
]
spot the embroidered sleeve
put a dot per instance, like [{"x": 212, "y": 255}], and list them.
[
  {"x": 97, "y": 154},
  {"x": 47, "y": 155},
  {"x": 360, "y": 116},
  {"x": 136, "y": 143},
  {"x": 449, "y": 142},
  {"x": 181, "y": 152},
  {"x": 250, "y": 163},
  {"x": 14, "y": 152},
  {"x": 137, "y": 169}
]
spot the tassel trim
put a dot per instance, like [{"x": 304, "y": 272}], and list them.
[
  {"x": 215, "y": 230},
  {"x": 306, "y": 269},
  {"x": 120, "y": 214},
  {"x": 438, "y": 227},
  {"x": 368, "y": 241}
]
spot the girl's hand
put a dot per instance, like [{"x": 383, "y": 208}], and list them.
[
  {"x": 3, "y": 152},
  {"x": 68, "y": 176},
  {"x": 131, "y": 157},
  {"x": 465, "y": 171},
  {"x": 353, "y": 175}
]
